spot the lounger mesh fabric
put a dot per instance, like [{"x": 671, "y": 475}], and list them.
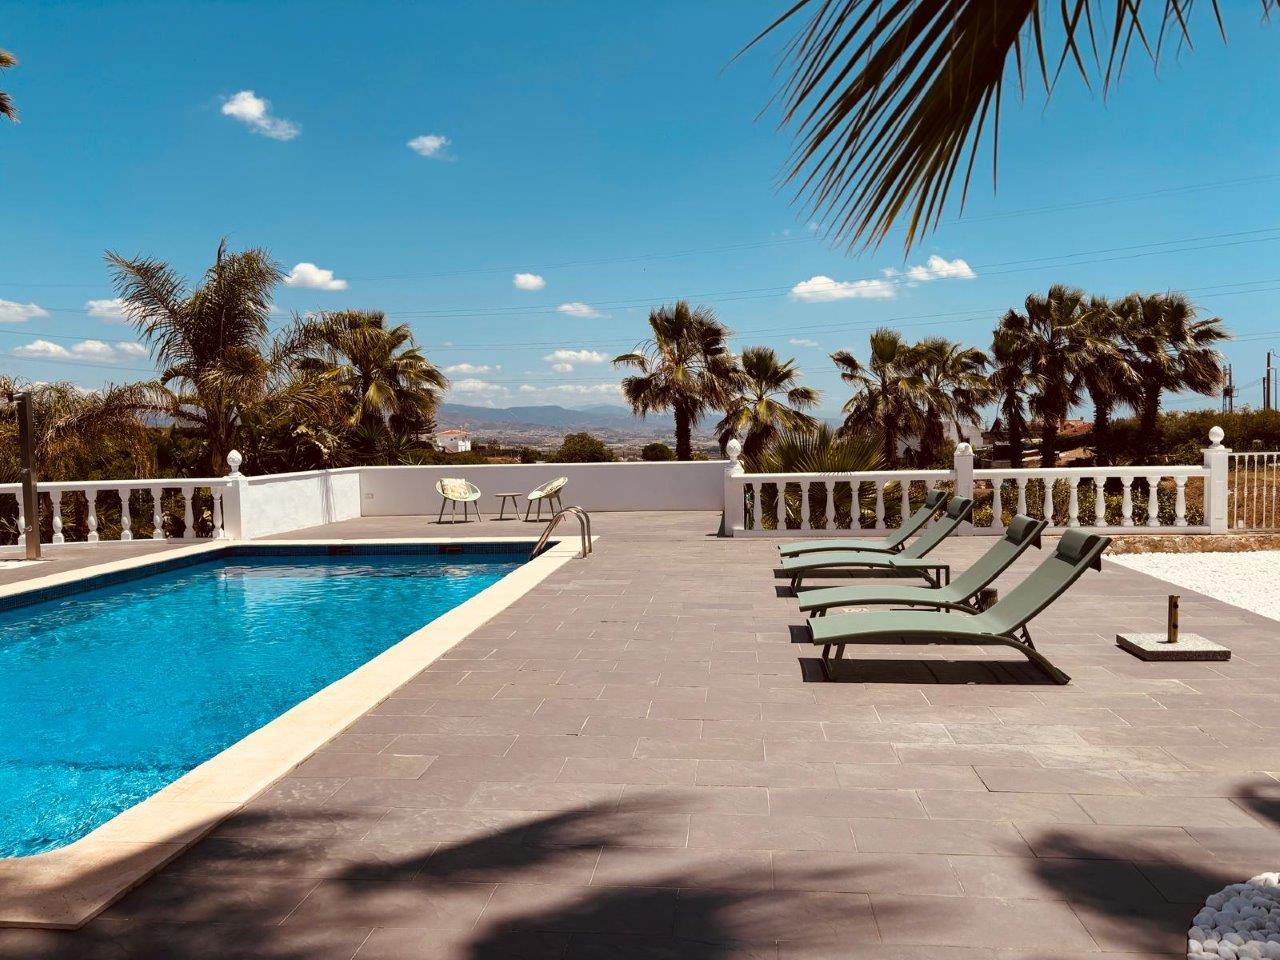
[{"x": 1023, "y": 532}]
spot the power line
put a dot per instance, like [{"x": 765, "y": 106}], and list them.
[{"x": 755, "y": 293}]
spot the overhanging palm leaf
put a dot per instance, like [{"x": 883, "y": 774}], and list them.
[
  {"x": 890, "y": 97},
  {"x": 7, "y": 109}
]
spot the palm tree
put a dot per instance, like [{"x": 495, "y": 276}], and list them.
[
  {"x": 1171, "y": 350},
  {"x": 956, "y": 387},
  {"x": 7, "y": 109},
  {"x": 1012, "y": 382},
  {"x": 888, "y": 96},
  {"x": 211, "y": 341},
  {"x": 816, "y": 450},
  {"x": 84, "y": 434},
  {"x": 1108, "y": 376},
  {"x": 888, "y": 391},
  {"x": 381, "y": 375},
  {"x": 767, "y": 397},
  {"x": 684, "y": 367},
  {"x": 1055, "y": 340}
]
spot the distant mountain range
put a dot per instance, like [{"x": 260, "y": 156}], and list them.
[{"x": 602, "y": 416}]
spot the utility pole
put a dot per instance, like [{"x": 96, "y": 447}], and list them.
[
  {"x": 26, "y": 444},
  {"x": 1267, "y": 399},
  {"x": 1228, "y": 392}
]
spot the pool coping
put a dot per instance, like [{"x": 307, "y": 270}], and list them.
[{"x": 67, "y": 887}]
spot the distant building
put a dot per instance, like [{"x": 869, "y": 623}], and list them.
[{"x": 453, "y": 441}]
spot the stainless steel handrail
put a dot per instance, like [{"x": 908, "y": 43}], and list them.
[{"x": 584, "y": 530}]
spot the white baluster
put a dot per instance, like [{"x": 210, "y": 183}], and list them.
[
  {"x": 218, "y": 532},
  {"x": 1073, "y": 502},
  {"x": 1180, "y": 502},
  {"x": 830, "y": 487},
  {"x": 780, "y": 506},
  {"x": 1153, "y": 501},
  {"x": 1099, "y": 502},
  {"x": 125, "y": 519},
  {"x": 997, "y": 504},
  {"x": 806, "y": 506},
  {"x": 22, "y": 523},
  {"x": 1126, "y": 503},
  {"x": 904, "y": 489},
  {"x": 157, "y": 513},
  {"x": 91, "y": 498},
  {"x": 1022, "y": 495},
  {"x": 188, "y": 513},
  {"x": 879, "y": 485},
  {"x": 1047, "y": 506},
  {"x": 55, "y": 502}
]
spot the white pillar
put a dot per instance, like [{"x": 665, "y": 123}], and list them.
[
  {"x": 734, "y": 517},
  {"x": 233, "y": 520},
  {"x": 962, "y": 467},
  {"x": 1217, "y": 459}
]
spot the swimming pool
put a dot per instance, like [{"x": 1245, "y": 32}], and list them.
[{"x": 113, "y": 691}]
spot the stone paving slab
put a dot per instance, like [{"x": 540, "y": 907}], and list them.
[{"x": 635, "y": 760}]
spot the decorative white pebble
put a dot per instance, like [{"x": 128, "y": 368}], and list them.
[{"x": 1240, "y": 922}]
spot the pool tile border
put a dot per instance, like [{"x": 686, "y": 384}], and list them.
[{"x": 67, "y": 887}]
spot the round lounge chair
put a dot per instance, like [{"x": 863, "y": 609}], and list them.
[
  {"x": 454, "y": 491},
  {"x": 550, "y": 492}
]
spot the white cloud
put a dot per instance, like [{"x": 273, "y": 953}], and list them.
[
  {"x": 11, "y": 312},
  {"x": 936, "y": 268},
  {"x": 562, "y": 367},
  {"x": 580, "y": 310},
  {"x": 528, "y": 281},
  {"x": 474, "y": 386},
  {"x": 578, "y": 356},
  {"x": 822, "y": 289},
  {"x": 430, "y": 145},
  {"x": 802, "y": 342},
  {"x": 93, "y": 351},
  {"x": 311, "y": 277},
  {"x": 255, "y": 113},
  {"x": 575, "y": 389},
  {"x": 470, "y": 369},
  {"x": 112, "y": 311}
]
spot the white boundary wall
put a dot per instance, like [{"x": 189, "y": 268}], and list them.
[
  {"x": 696, "y": 485},
  {"x": 278, "y": 503}
]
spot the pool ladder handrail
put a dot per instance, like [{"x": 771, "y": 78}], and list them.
[{"x": 584, "y": 529}]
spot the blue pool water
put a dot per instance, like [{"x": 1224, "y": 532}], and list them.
[{"x": 109, "y": 694}]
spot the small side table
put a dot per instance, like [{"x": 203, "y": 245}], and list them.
[{"x": 502, "y": 505}]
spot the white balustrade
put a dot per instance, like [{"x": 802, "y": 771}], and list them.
[
  {"x": 795, "y": 496},
  {"x": 64, "y": 494},
  {"x": 1094, "y": 479}
]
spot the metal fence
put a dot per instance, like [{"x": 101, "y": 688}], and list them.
[{"x": 1253, "y": 498}]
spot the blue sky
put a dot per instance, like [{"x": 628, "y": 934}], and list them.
[{"x": 611, "y": 150}]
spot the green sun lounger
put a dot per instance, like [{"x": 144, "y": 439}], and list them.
[
  {"x": 910, "y": 561},
  {"x": 934, "y": 501},
  {"x": 1003, "y": 624},
  {"x": 1023, "y": 532}
]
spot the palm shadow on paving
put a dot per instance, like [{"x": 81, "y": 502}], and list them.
[
  {"x": 280, "y": 885},
  {"x": 1138, "y": 890}
]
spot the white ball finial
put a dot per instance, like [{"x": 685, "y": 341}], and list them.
[
  {"x": 1215, "y": 436},
  {"x": 233, "y": 461},
  {"x": 734, "y": 449},
  {"x": 964, "y": 450}
]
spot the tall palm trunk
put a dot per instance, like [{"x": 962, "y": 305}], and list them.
[
  {"x": 1149, "y": 422},
  {"x": 1101, "y": 430},
  {"x": 684, "y": 433},
  {"x": 1049, "y": 443},
  {"x": 1016, "y": 442}
]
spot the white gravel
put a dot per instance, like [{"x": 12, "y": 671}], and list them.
[{"x": 1248, "y": 580}]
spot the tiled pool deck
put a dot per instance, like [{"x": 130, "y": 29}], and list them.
[{"x": 635, "y": 761}]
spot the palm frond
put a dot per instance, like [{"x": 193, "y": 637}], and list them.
[{"x": 891, "y": 98}]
